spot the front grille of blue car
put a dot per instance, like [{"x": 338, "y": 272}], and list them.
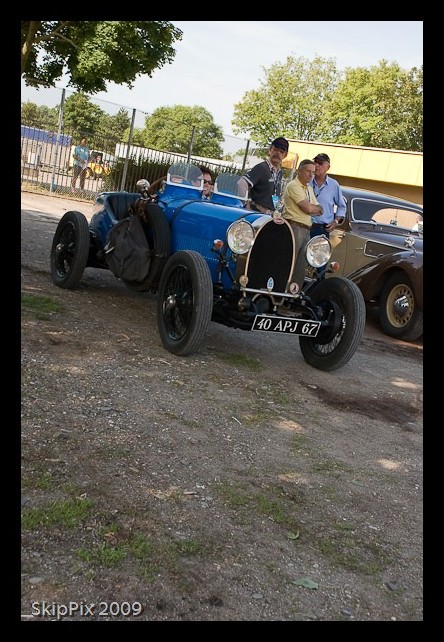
[{"x": 271, "y": 258}]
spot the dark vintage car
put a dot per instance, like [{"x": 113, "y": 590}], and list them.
[
  {"x": 378, "y": 245},
  {"x": 212, "y": 260}
]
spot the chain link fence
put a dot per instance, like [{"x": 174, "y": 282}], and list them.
[{"x": 47, "y": 144}]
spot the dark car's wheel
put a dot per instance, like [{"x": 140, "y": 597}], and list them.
[
  {"x": 70, "y": 249},
  {"x": 341, "y": 304},
  {"x": 158, "y": 234},
  {"x": 399, "y": 314},
  {"x": 185, "y": 302}
]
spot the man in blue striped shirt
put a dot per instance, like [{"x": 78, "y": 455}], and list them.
[{"x": 328, "y": 194}]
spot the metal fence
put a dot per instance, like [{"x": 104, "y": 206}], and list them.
[{"x": 46, "y": 150}]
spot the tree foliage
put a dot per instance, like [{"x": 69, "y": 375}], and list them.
[
  {"x": 92, "y": 53},
  {"x": 377, "y": 107},
  {"x": 80, "y": 118},
  {"x": 290, "y": 102},
  {"x": 170, "y": 128},
  {"x": 39, "y": 116}
]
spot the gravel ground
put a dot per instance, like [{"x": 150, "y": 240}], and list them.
[{"x": 238, "y": 484}]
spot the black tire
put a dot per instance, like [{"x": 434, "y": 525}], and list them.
[
  {"x": 158, "y": 233},
  {"x": 399, "y": 314},
  {"x": 341, "y": 302},
  {"x": 185, "y": 302},
  {"x": 70, "y": 249}
]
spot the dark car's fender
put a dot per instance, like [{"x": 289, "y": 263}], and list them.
[{"x": 372, "y": 277}]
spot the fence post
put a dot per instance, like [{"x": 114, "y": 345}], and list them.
[
  {"x": 190, "y": 146},
  {"x": 55, "y": 152},
  {"x": 130, "y": 140},
  {"x": 244, "y": 162}
]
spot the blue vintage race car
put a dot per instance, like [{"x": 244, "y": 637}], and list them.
[{"x": 212, "y": 260}]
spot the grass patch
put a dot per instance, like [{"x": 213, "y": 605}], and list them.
[
  {"x": 329, "y": 466},
  {"x": 240, "y": 361},
  {"x": 275, "y": 509},
  {"x": 103, "y": 555},
  {"x": 272, "y": 505},
  {"x": 233, "y": 497},
  {"x": 258, "y": 418},
  {"x": 42, "y": 480},
  {"x": 149, "y": 556},
  {"x": 67, "y": 513},
  {"x": 353, "y": 554},
  {"x": 40, "y": 307}
]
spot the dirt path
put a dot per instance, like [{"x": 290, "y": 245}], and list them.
[{"x": 236, "y": 484}]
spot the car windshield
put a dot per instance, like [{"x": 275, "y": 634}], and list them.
[
  {"x": 386, "y": 214},
  {"x": 185, "y": 175}
]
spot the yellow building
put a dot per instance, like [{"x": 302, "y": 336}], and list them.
[{"x": 389, "y": 171}]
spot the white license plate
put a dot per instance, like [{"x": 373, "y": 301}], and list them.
[{"x": 299, "y": 327}]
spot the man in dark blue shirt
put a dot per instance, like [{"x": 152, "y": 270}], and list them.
[{"x": 264, "y": 180}]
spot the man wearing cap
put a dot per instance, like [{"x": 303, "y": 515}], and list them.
[
  {"x": 264, "y": 180},
  {"x": 329, "y": 194}
]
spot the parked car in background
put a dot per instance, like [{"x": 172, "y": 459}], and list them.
[
  {"x": 99, "y": 164},
  {"x": 212, "y": 260},
  {"x": 379, "y": 246}
]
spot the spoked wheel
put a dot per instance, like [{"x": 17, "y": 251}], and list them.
[
  {"x": 341, "y": 304},
  {"x": 399, "y": 314},
  {"x": 70, "y": 249},
  {"x": 185, "y": 302}
]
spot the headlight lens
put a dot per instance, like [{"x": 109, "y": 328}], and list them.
[
  {"x": 318, "y": 251},
  {"x": 240, "y": 237}
]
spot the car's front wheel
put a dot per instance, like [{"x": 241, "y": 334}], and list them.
[
  {"x": 341, "y": 305},
  {"x": 70, "y": 249},
  {"x": 399, "y": 314},
  {"x": 185, "y": 302}
]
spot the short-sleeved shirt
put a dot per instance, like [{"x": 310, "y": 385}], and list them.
[
  {"x": 330, "y": 196},
  {"x": 264, "y": 181},
  {"x": 294, "y": 194},
  {"x": 81, "y": 155}
]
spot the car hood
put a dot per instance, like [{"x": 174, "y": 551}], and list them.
[{"x": 387, "y": 235}]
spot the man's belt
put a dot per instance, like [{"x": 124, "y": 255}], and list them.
[{"x": 306, "y": 227}]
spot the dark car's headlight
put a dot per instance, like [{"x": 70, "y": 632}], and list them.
[
  {"x": 240, "y": 237},
  {"x": 318, "y": 251}
]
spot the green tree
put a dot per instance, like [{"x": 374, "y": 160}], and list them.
[
  {"x": 290, "y": 102},
  {"x": 81, "y": 115},
  {"x": 137, "y": 137},
  {"x": 112, "y": 128},
  {"x": 377, "y": 107},
  {"x": 39, "y": 116},
  {"x": 92, "y": 53},
  {"x": 170, "y": 128}
]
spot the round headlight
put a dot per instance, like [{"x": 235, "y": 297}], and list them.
[
  {"x": 240, "y": 237},
  {"x": 318, "y": 251}
]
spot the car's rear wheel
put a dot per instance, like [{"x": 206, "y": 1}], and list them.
[
  {"x": 341, "y": 303},
  {"x": 185, "y": 302},
  {"x": 70, "y": 249},
  {"x": 399, "y": 314}
]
